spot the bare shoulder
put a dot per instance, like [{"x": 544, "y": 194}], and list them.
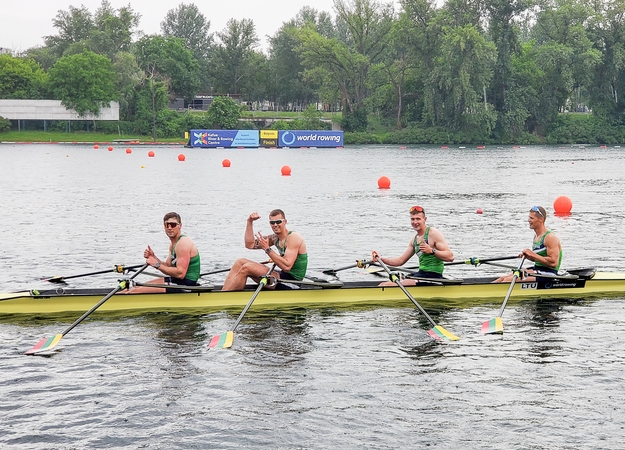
[
  {"x": 552, "y": 238},
  {"x": 436, "y": 234},
  {"x": 294, "y": 239}
]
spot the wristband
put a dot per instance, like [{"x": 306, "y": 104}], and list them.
[{"x": 268, "y": 250}]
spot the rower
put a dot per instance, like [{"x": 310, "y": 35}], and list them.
[
  {"x": 291, "y": 255},
  {"x": 182, "y": 266},
  {"x": 546, "y": 251},
  {"x": 428, "y": 244}
]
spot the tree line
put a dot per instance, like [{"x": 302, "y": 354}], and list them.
[{"x": 462, "y": 70}]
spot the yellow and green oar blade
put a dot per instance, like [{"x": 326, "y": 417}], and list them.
[
  {"x": 223, "y": 340},
  {"x": 492, "y": 326},
  {"x": 45, "y": 345},
  {"x": 441, "y": 334}
]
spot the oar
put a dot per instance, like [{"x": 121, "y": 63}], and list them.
[
  {"x": 437, "y": 332},
  {"x": 359, "y": 263},
  {"x": 477, "y": 261},
  {"x": 495, "y": 325},
  {"x": 47, "y": 344},
  {"x": 225, "y": 340},
  {"x": 117, "y": 269}
]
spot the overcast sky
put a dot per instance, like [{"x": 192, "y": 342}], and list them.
[{"x": 24, "y": 24}]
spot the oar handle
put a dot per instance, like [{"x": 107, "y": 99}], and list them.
[
  {"x": 397, "y": 281},
  {"x": 122, "y": 285}
]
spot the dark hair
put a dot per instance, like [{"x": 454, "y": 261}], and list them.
[
  {"x": 277, "y": 212},
  {"x": 171, "y": 215}
]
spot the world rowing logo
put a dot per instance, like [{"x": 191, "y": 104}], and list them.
[{"x": 288, "y": 138}]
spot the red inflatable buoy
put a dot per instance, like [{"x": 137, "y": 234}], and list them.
[
  {"x": 384, "y": 182},
  {"x": 562, "y": 206}
]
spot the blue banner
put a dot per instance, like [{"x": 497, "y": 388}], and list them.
[
  {"x": 224, "y": 138},
  {"x": 309, "y": 138}
]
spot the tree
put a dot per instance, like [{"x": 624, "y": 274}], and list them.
[
  {"x": 84, "y": 82},
  {"x": 167, "y": 59},
  {"x": 233, "y": 54},
  {"x": 363, "y": 27},
  {"x": 224, "y": 113},
  {"x": 186, "y": 22},
  {"x": 21, "y": 78}
]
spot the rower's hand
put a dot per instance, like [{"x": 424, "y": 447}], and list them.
[
  {"x": 262, "y": 241},
  {"x": 374, "y": 256},
  {"x": 529, "y": 254},
  {"x": 254, "y": 216},
  {"x": 148, "y": 252}
]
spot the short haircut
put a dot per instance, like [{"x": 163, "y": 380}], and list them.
[
  {"x": 542, "y": 212},
  {"x": 172, "y": 215},
  {"x": 277, "y": 212}
]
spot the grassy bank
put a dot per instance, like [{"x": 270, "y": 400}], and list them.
[{"x": 56, "y": 136}]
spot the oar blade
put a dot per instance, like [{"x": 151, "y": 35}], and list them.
[
  {"x": 44, "y": 345},
  {"x": 492, "y": 326},
  {"x": 442, "y": 334},
  {"x": 223, "y": 340}
]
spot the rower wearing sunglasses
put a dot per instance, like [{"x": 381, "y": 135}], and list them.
[
  {"x": 546, "y": 251},
  {"x": 290, "y": 255},
  {"x": 428, "y": 244},
  {"x": 182, "y": 266}
]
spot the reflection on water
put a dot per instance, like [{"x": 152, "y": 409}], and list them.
[{"x": 309, "y": 377}]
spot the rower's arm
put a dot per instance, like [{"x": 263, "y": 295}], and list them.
[{"x": 402, "y": 259}]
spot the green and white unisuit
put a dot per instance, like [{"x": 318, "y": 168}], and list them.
[
  {"x": 427, "y": 262},
  {"x": 539, "y": 248},
  {"x": 193, "y": 271},
  {"x": 298, "y": 271}
]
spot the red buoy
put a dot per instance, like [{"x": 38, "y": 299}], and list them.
[
  {"x": 151, "y": 154},
  {"x": 286, "y": 171},
  {"x": 110, "y": 148},
  {"x": 225, "y": 163},
  {"x": 384, "y": 182},
  {"x": 562, "y": 206},
  {"x": 479, "y": 211},
  {"x": 128, "y": 150},
  {"x": 96, "y": 146},
  {"x": 181, "y": 157}
]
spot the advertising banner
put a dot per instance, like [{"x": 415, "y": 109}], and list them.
[
  {"x": 224, "y": 138},
  {"x": 310, "y": 138},
  {"x": 269, "y": 138}
]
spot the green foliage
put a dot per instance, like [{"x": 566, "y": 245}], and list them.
[
  {"x": 166, "y": 59},
  {"x": 83, "y": 82},
  {"x": 5, "y": 125},
  {"x": 21, "y": 78},
  {"x": 354, "y": 121},
  {"x": 223, "y": 113},
  {"x": 584, "y": 129}
]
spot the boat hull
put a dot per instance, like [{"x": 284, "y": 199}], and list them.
[{"x": 471, "y": 292}]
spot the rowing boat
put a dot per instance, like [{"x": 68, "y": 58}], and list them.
[{"x": 447, "y": 294}]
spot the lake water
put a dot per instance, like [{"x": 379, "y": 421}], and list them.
[{"x": 310, "y": 378}]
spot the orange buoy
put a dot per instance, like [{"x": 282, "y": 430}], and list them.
[
  {"x": 225, "y": 163},
  {"x": 181, "y": 157},
  {"x": 96, "y": 146},
  {"x": 562, "y": 206},
  {"x": 286, "y": 171},
  {"x": 384, "y": 182},
  {"x": 129, "y": 150},
  {"x": 403, "y": 147},
  {"x": 151, "y": 154},
  {"x": 110, "y": 148},
  {"x": 479, "y": 211}
]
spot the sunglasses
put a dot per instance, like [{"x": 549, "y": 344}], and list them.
[
  {"x": 417, "y": 209},
  {"x": 171, "y": 224},
  {"x": 276, "y": 222},
  {"x": 536, "y": 209}
]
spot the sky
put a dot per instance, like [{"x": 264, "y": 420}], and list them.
[{"x": 23, "y": 25}]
